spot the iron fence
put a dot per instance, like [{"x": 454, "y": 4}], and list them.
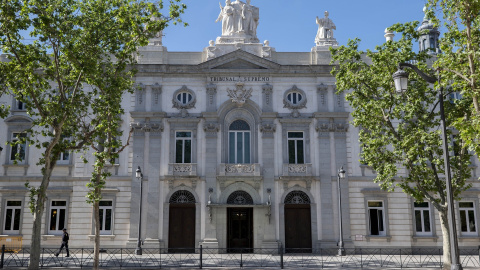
[{"x": 381, "y": 258}]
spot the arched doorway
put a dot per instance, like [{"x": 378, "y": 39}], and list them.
[
  {"x": 181, "y": 227},
  {"x": 298, "y": 226},
  {"x": 240, "y": 222}
]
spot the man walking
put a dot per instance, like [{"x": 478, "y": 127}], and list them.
[{"x": 64, "y": 243}]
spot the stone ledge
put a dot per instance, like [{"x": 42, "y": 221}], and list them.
[
  {"x": 381, "y": 238},
  {"x": 426, "y": 237},
  {"x": 102, "y": 237}
]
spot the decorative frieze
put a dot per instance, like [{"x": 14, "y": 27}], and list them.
[
  {"x": 140, "y": 128},
  {"x": 240, "y": 94},
  {"x": 182, "y": 168},
  {"x": 211, "y": 128},
  {"x": 239, "y": 168},
  {"x": 290, "y": 169},
  {"x": 297, "y": 168},
  {"x": 324, "y": 126},
  {"x": 268, "y": 128}
]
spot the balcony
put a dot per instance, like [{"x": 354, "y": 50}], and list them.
[
  {"x": 182, "y": 169},
  {"x": 226, "y": 169},
  {"x": 297, "y": 169}
]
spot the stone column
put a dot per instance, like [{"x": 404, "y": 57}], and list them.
[
  {"x": 211, "y": 129},
  {"x": 340, "y": 128},
  {"x": 267, "y": 90},
  {"x": 322, "y": 97},
  {"x": 153, "y": 189},
  {"x": 326, "y": 157},
  {"x": 140, "y": 97},
  {"x": 156, "y": 101},
  {"x": 211, "y": 97},
  {"x": 138, "y": 160},
  {"x": 268, "y": 129},
  {"x": 339, "y": 103}
]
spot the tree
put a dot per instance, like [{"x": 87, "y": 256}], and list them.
[
  {"x": 83, "y": 51},
  {"x": 459, "y": 62},
  {"x": 402, "y": 131},
  {"x": 107, "y": 146}
]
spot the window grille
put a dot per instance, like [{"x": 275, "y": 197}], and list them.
[
  {"x": 182, "y": 196},
  {"x": 240, "y": 197},
  {"x": 297, "y": 197}
]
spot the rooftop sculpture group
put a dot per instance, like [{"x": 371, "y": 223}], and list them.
[
  {"x": 240, "y": 21},
  {"x": 239, "y": 31}
]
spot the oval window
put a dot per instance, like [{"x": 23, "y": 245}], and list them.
[
  {"x": 294, "y": 98},
  {"x": 184, "y": 98}
]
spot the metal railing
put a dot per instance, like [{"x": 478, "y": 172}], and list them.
[{"x": 279, "y": 258}]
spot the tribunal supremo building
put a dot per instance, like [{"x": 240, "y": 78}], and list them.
[{"x": 239, "y": 146}]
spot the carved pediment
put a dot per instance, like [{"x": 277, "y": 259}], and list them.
[
  {"x": 239, "y": 59},
  {"x": 239, "y": 64}
]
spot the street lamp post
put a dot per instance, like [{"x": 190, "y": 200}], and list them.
[
  {"x": 139, "y": 176},
  {"x": 401, "y": 80},
  {"x": 341, "y": 249}
]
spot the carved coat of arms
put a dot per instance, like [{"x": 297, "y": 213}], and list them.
[{"x": 240, "y": 94}]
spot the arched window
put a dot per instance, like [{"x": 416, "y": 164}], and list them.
[
  {"x": 240, "y": 197},
  {"x": 297, "y": 197},
  {"x": 182, "y": 196},
  {"x": 239, "y": 142},
  {"x": 432, "y": 43}
]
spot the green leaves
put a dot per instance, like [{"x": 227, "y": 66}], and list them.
[
  {"x": 459, "y": 61},
  {"x": 73, "y": 71},
  {"x": 399, "y": 133}
]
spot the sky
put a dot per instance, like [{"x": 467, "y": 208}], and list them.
[{"x": 290, "y": 25}]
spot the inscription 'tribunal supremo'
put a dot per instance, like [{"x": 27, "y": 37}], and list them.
[{"x": 238, "y": 79}]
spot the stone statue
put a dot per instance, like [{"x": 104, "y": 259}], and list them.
[
  {"x": 227, "y": 15},
  {"x": 250, "y": 19},
  {"x": 239, "y": 22},
  {"x": 325, "y": 27},
  {"x": 325, "y": 31}
]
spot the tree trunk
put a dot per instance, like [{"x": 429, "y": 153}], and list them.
[
  {"x": 447, "y": 254},
  {"x": 37, "y": 219},
  {"x": 36, "y": 233},
  {"x": 96, "y": 246}
]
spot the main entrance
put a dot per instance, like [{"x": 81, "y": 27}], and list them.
[
  {"x": 298, "y": 230},
  {"x": 240, "y": 223},
  {"x": 240, "y": 230},
  {"x": 181, "y": 228}
]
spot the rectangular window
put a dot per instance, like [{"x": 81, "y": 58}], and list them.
[
  {"x": 58, "y": 211},
  {"x": 19, "y": 105},
  {"x": 64, "y": 158},
  {"x": 106, "y": 217},
  {"x": 183, "y": 147},
  {"x": 376, "y": 218},
  {"x": 422, "y": 218},
  {"x": 295, "y": 148},
  {"x": 467, "y": 217},
  {"x": 13, "y": 211},
  {"x": 239, "y": 147},
  {"x": 18, "y": 149}
]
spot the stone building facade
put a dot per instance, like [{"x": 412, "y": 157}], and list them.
[{"x": 239, "y": 146}]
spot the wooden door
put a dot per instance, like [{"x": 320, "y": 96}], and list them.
[
  {"x": 240, "y": 230},
  {"x": 181, "y": 228},
  {"x": 298, "y": 229}
]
